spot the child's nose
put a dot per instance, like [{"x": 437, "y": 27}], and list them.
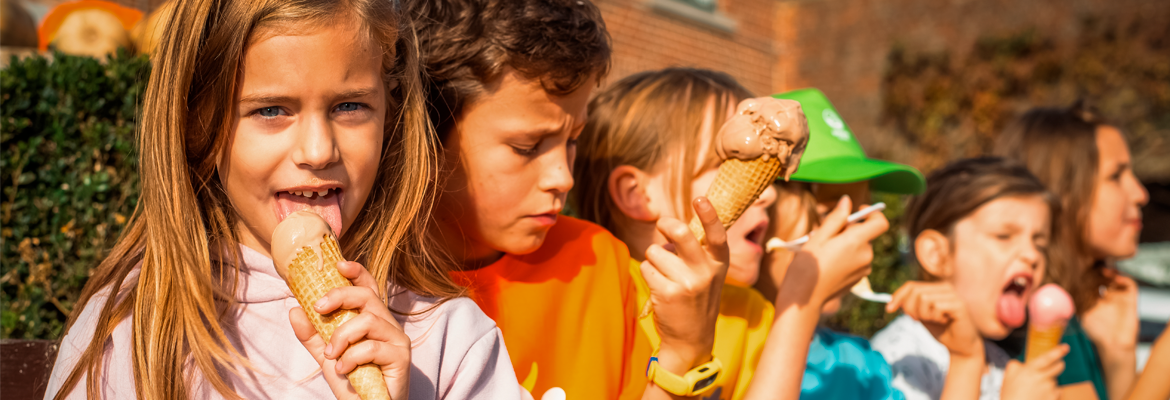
[
  {"x": 1032, "y": 256},
  {"x": 556, "y": 176},
  {"x": 317, "y": 145}
]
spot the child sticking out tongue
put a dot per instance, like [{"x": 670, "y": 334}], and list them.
[{"x": 1010, "y": 307}]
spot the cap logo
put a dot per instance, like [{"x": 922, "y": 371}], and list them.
[{"x": 834, "y": 121}]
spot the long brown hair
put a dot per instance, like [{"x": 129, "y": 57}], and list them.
[
  {"x": 644, "y": 120},
  {"x": 184, "y": 220},
  {"x": 1059, "y": 146},
  {"x": 958, "y": 189}
]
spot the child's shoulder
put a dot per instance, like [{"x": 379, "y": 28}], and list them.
[
  {"x": 906, "y": 338},
  {"x": 745, "y": 302},
  {"x": 417, "y": 314},
  {"x": 832, "y": 339},
  {"x": 455, "y": 348}
]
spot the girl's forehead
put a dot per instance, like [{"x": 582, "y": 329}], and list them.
[
  {"x": 358, "y": 31},
  {"x": 1018, "y": 212}
]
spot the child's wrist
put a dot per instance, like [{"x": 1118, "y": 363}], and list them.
[
  {"x": 680, "y": 358},
  {"x": 1118, "y": 358},
  {"x": 1117, "y": 347},
  {"x": 971, "y": 354}
]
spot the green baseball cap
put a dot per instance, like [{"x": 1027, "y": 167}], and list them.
[{"x": 834, "y": 156}]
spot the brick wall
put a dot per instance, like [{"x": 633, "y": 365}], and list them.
[
  {"x": 646, "y": 37},
  {"x": 840, "y": 46}
]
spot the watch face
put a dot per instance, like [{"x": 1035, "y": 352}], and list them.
[{"x": 705, "y": 383}]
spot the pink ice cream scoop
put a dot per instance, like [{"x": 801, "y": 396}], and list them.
[{"x": 1049, "y": 311}]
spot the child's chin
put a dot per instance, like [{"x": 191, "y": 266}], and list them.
[
  {"x": 525, "y": 244},
  {"x": 995, "y": 330}
]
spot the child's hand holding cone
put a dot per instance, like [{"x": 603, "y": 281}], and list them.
[
  {"x": 363, "y": 352},
  {"x": 1035, "y": 379},
  {"x": 373, "y": 337},
  {"x": 686, "y": 284}
]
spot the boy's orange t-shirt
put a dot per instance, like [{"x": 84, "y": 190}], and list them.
[{"x": 568, "y": 313}]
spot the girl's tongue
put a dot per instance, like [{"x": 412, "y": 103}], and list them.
[
  {"x": 327, "y": 206},
  {"x": 1010, "y": 307}
]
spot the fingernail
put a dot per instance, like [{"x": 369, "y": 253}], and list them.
[
  {"x": 845, "y": 201},
  {"x": 320, "y": 303},
  {"x": 329, "y": 350}
]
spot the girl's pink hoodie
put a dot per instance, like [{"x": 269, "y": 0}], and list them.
[{"x": 458, "y": 351}]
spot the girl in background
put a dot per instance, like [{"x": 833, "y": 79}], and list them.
[
  {"x": 239, "y": 129},
  {"x": 1086, "y": 163},
  {"x": 979, "y": 232}
]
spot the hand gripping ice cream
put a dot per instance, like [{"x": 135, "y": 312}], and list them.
[
  {"x": 306, "y": 256},
  {"x": 764, "y": 139},
  {"x": 1049, "y": 311}
]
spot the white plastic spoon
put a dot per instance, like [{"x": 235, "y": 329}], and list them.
[
  {"x": 796, "y": 244},
  {"x": 862, "y": 288}
]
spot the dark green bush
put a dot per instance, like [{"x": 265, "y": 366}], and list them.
[
  {"x": 944, "y": 107},
  {"x": 69, "y": 180}
]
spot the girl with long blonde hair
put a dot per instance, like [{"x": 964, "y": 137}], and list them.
[{"x": 255, "y": 110}]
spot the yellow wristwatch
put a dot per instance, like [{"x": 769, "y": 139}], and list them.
[{"x": 693, "y": 383}]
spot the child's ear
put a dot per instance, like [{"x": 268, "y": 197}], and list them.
[
  {"x": 627, "y": 189},
  {"x": 933, "y": 250}
]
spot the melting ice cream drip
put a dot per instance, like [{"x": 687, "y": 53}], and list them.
[{"x": 299, "y": 230}]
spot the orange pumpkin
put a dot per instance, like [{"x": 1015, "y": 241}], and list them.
[{"x": 53, "y": 20}]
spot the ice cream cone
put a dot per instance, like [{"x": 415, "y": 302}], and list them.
[
  {"x": 311, "y": 275},
  {"x": 737, "y": 186},
  {"x": 1050, "y": 309},
  {"x": 1041, "y": 340}
]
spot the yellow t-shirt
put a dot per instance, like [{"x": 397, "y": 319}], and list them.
[{"x": 745, "y": 318}]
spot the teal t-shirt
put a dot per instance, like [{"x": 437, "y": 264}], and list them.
[
  {"x": 844, "y": 366},
  {"x": 1082, "y": 362}
]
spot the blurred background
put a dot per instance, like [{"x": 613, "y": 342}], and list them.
[{"x": 920, "y": 82}]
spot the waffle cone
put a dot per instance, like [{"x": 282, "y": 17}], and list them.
[
  {"x": 311, "y": 276},
  {"x": 737, "y": 186},
  {"x": 1041, "y": 340}
]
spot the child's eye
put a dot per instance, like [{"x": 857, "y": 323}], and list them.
[
  {"x": 1003, "y": 236},
  {"x": 270, "y": 112},
  {"x": 525, "y": 151},
  {"x": 347, "y": 107}
]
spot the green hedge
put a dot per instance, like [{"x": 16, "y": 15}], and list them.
[
  {"x": 69, "y": 180},
  {"x": 944, "y": 107}
]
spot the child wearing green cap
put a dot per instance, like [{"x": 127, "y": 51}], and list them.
[{"x": 834, "y": 166}]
